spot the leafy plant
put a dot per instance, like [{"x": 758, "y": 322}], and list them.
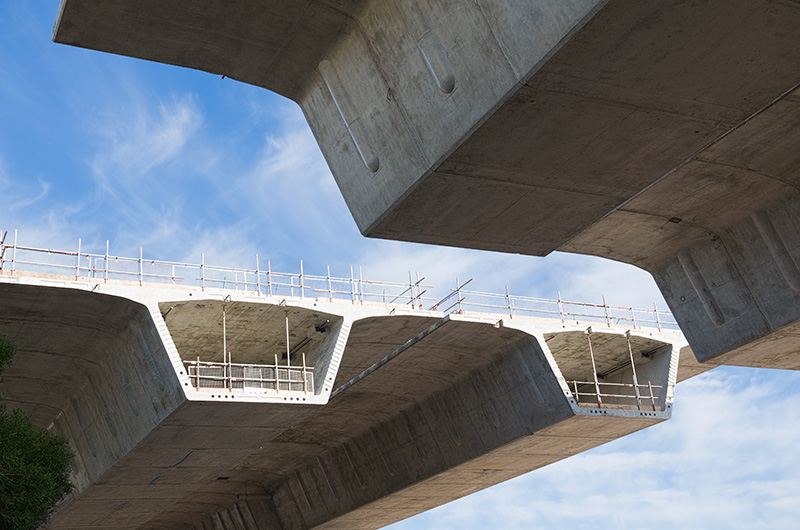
[{"x": 34, "y": 465}]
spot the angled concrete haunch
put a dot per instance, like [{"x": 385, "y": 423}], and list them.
[{"x": 373, "y": 413}]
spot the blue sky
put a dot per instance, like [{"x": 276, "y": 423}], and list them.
[{"x": 181, "y": 162}]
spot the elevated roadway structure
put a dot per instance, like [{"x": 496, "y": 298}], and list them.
[
  {"x": 659, "y": 133},
  {"x": 274, "y": 404}
]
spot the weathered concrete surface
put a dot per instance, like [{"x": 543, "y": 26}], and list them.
[
  {"x": 660, "y": 133},
  {"x": 475, "y": 402},
  {"x": 89, "y": 365}
]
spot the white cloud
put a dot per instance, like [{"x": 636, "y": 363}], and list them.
[{"x": 135, "y": 147}]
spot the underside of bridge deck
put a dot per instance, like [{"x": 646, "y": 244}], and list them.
[{"x": 403, "y": 409}]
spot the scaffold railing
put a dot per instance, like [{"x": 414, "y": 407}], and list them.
[
  {"x": 260, "y": 280},
  {"x": 250, "y": 378},
  {"x": 461, "y": 300},
  {"x": 263, "y": 280},
  {"x": 643, "y": 394}
]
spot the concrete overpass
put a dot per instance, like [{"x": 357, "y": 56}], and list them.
[
  {"x": 659, "y": 133},
  {"x": 330, "y": 409}
]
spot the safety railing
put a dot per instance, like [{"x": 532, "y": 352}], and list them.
[
  {"x": 262, "y": 280},
  {"x": 642, "y": 396},
  {"x": 462, "y": 300},
  {"x": 250, "y": 378}
]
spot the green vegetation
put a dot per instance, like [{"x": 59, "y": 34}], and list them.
[{"x": 34, "y": 465}]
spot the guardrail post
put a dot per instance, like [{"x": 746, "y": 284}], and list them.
[
  {"x": 633, "y": 317},
  {"x": 269, "y": 277},
  {"x": 14, "y": 255},
  {"x": 141, "y": 276},
  {"x": 458, "y": 295},
  {"x": 78, "y": 262},
  {"x": 277, "y": 379},
  {"x": 305, "y": 378},
  {"x": 411, "y": 289},
  {"x": 2, "y": 249},
  {"x": 658, "y": 320},
  {"x": 197, "y": 374},
  {"x": 258, "y": 278},
  {"x": 105, "y": 272},
  {"x": 510, "y": 307},
  {"x": 230, "y": 374},
  {"x": 202, "y": 271},
  {"x": 301, "y": 280},
  {"x": 330, "y": 291},
  {"x": 560, "y": 307},
  {"x": 352, "y": 287}
]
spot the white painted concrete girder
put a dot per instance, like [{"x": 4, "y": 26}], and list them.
[{"x": 475, "y": 402}]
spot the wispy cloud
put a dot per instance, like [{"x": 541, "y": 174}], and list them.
[
  {"x": 135, "y": 141},
  {"x": 141, "y": 165}
]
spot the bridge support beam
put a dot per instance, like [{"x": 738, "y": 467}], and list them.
[
  {"x": 472, "y": 402},
  {"x": 662, "y": 134}
]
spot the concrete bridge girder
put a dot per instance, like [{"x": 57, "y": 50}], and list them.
[
  {"x": 659, "y": 135},
  {"x": 473, "y": 403}
]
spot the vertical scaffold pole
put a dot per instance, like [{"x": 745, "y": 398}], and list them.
[
  {"x": 197, "y": 374},
  {"x": 302, "y": 286},
  {"x": 560, "y": 307},
  {"x": 658, "y": 320},
  {"x": 224, "y": 337},
  {"x": 594, "y": 368},
  {"x": 258, "y": 278},
  {"x": 105, "y": 271},
  {"x": 202, "y": 271},
  {"x": 607, "y": 312},
  {"x": 305, "y": 379},
  {"x": 633, "y": 369},
  {"x": 330, "y": 290},
  {"x": 14, "y": 255},
  {"x": 288, "y": 352},
  {"x": 2, "y": 249},
  {"x": 277, "y": 378},
  {"x": 352, "y": 287},
  {"x": 458, "y": 295},
  {"x": 508, "y": 302},
  {"x": 420, "y": 292},
  {"x": 78, "y": 263},
  {"x": 652, "y": 396},
  {"x": 269, "y": 277},
  {"x": 141, "y": 270}
]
